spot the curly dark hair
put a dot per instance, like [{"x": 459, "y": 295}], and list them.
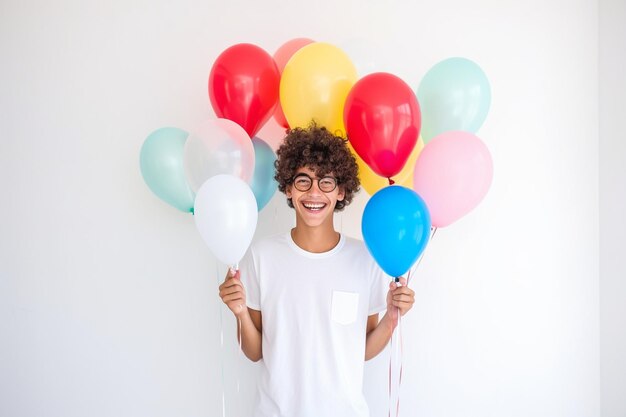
[{"x": 318, "y": 149}]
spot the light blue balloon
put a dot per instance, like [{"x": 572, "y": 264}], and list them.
[
  {"x": 396, "y": 228},
  {"x": 453, "y": 95},
  {"x": 161, "y": 163},
  {"x": 263, "y": 183}
]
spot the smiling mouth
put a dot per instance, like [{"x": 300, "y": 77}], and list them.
[{"x": 314, "y": 207}]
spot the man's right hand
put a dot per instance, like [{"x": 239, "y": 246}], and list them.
[
  {"x": 233, "y": 293},
  {"x": 249, "y": 323}
]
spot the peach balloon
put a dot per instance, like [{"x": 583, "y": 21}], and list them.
[{"x": 281, "y": 57}]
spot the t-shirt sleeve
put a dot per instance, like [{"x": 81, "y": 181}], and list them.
[
  {"x": 250, "y": 280},
  {"x": 379, "y": 286}
]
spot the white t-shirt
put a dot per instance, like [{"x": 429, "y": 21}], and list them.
[{"x": 314, "y": 310}]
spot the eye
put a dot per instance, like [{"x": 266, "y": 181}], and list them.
[
  {"x": 302, "y": 181},
  {"x": 327, "y": 183}
]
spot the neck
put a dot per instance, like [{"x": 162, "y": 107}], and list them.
[{"x": 315, "y": 239}]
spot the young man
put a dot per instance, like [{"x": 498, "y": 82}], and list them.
[{"x": 308, "y": 300}]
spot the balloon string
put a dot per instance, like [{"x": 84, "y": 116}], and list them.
[
  {"x": 395, "y": 367},
  {"x": 399, "y": 343},
  {"x": 408, "y": 278},
  {"x": 419, "y": 260},
  {"x": 240, "y": 354},
  {"x": 400, "y": 373},
  {"x": 389, "y": 381},
  {"x": 398, "y": 366},
  {"x": 391, "y": 346},
  {"x": 395, "y": 358},
  {"x": 217, "y": 275},
  {"x": 240, "y": 344}
]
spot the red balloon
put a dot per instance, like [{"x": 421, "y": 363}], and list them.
[
  {"x": 383, "y": 120},
  {"x": 243, "y": 86}
]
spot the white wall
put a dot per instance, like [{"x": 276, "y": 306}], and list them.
[
  {"x": 612, "y": 207},
  {"x": 108, "y": 298}
]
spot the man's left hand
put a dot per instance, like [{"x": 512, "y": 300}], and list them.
[{"x": 400, "y": 298}]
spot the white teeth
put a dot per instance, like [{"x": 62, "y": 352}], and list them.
[{"x": 314, "y": 206}]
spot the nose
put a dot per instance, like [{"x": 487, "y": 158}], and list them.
[{"x": 315, "y": 188}]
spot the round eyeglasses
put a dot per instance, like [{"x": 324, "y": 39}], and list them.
[{"x": 303, "y": 182}]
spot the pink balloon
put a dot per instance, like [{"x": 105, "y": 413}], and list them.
[
  {"x": 453, "y": 174},
  {"x": 281, "y": 57}
]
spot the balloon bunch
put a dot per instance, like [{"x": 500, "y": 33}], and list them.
[
  {"x": 244, "y": 86},
  {"x": 448, "y": 169},
  {"x": 442, "y": 174},
  {"x": 221, "y": 172},
  {"x": 451, "y": 169}
]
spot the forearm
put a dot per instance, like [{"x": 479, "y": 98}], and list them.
[
  {"x": 251, "y": 340},
  {"x": 378, "y": 338}
]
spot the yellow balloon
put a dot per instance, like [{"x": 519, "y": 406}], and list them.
[
  {"x": 372, "y": 182},
  {"x": 314, "y": 86}
]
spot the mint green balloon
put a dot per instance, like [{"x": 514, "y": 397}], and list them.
[
  {"x": 453, "y": 95},
  {"x": 161, "y": 163}
]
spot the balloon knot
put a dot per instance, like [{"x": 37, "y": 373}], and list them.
[{"x": 391, "y": 182}]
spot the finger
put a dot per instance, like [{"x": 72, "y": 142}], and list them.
[
  {"x": 232, "y": 282},
  {"x": 232, "y": 297},
  {"x": 404, "y": 290},
  {"x": 228, "y": 283},
  {"x": 405, "y": 301},
  {"x": 231, "y": 273},
  {"x": 402, "y": 305},
  {"x": 393, "y": 285},
  {"x": 403, "y": 281},
  {"x": 237, "y": 275},
  {"x": 231, "y": 290},
  {"x": 403, "y": 297}
]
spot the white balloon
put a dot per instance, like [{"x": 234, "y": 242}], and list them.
[
  {"x": 218, "y": 146},
  {"x": 225, "y": 212}
]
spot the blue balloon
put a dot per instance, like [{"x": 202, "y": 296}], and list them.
[
  {"x": 396, "y": 228},
  {"x": 263, "y": 183},
  {"x": 161, "y": 164},
  {"x": 453, "y": 95}
]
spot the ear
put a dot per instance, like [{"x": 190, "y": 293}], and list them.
[
  {"x": 288, "y": 191},
  {"x": 341, "y": 195}
]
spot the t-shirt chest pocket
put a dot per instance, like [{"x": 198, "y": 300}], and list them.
[{"x": 344, "y": 307}]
